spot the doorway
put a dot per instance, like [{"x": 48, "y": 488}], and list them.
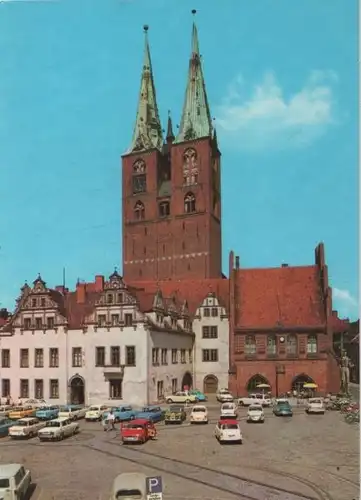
[
  {"x": 210, "y": 384},
  {"x": 77, "y": 390}
]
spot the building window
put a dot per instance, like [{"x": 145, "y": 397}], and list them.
[
  {"x": 271, "y": 345},
  {"x": 206, "y": 312},
  {"x": 160, "y": 389},
  {"x": 210, "y": 332},
  {"x": 5, "y": 358},
  {"x": 102, "y": 319},
  {"x": 250, "y": 346},
  {"x": 38, "y": 323},
  {"x": 155, "y": 356},
  {"x": 50, "y": 322},
  {"x": 100, "y": 356},
  {"x": 115, "y": 388},
  {"x": 120, "y": 298},
  {"x": 5, "y": 388},
  {"x": 189, "y": 203},
  {"x": 139, "y": 211},
  {"x": 77, "y": 357},
  {"x": 54, "y": 389},
  {"x": 291, "y": 345},
  {"x": 139, "y": 177},
  {"x": 115, "y": 319},
  {"x": 214, "y": 311},
  {"x": 312, "y": 344},
  {"x": 24, "y": 358},
  {"x": 164, "y": 356},
  {"x": 54, "y": 357},
  {"x": 115, "y": 356},
  {"x": 110, "y": 298},
  {"x": 183, "y": 355},
  {"x": 39, "y": 358},
  {"x": 33, "y": 302},
  {"x": 42, "y": 302},
  {"x": 39, "y": 389},
  {"x": 174, "y": 356},
  {"x": 190, "y": 355},
  {"x": 164, "y": 209},
  {"x": 174, "y": 385},
  {"x": 24, "y": 388},
  {"x": 128, "y": 319},
  {"x": 130, "y": 359},
  {"x": 209, "y": 355},
  {"x": 27, "y": 323}
]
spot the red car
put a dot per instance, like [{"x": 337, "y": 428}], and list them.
[{"x": 137, "y": 431}]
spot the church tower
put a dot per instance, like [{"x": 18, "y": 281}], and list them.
[{"x": 171, "y": 188}]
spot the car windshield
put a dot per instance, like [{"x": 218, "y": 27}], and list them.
[
  {"x": 44, "y": 408},
  {"x": 316, "y": 401},
  {"x": 94, "y": 408},
  {"x": 199, "y": 409},
  {"x": 4, "y": 483},
  {"x": 227, "y": 407},
  {"x": 175, "y": 408},
  {"x": 230, "y": 426},
  {"x": 284, "y": 404},
  {"x": 24, "y": 423},
  {"x": 138, "y": 427},
  {"x": 255, "y": 408},
  {"x": 128, "y": 494},
  {"x": 126, "y": 408},
  {"x": 64, "y": 409},
  {"x": 53, "y": 424}
]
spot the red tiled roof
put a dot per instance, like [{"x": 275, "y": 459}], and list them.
[
  {"x": 193, "y": 291},
  {"x": 285, "y": 296},
  {"x": 75, "y": 311}
]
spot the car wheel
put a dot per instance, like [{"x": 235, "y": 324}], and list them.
[
  {"x": 169, "y": 400},
  {"x": 241, "y": 442}
]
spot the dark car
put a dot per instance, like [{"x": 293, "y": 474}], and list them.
[
  {"x": 175, "y": 414},
  {"x": 283, "y": 409}
]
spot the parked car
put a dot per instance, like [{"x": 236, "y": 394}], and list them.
[
  {"x": 129, "y": 485},
  {"x": 283, "y": 409},
  {"x": 228, "y": 431},
  {"x": 262, "y": 399},
  {"x": 139, "y": 430},
  {"x": 5, "y": 424},
  {"x": 228, "y": 410},
  {"x": 181, "y": 397},
  {"x": 255, "y": 413},
  {"x": 74, "y": 412},
  {"x": 199, "y": 415},
  {"x": 15, "y": 482},
  {"x": 175, "y": 415},
  {"x": 153, "y": 413},
  {"x": 95, "y": 413},
  {"x": 5, "y": 410},
  {"x": 58, "y": 429},
  {"x": 27, "y": 427},
  {"x": 34, "y": 402},
  {"x": 315, "y": 405},
  {"x": 224, "y": 396},
  {"x": 121, "y": 413},
  {"x": 47, "y": 412},
  {"x": 199, "y": 395},
  {"x": 21, "y": 412}
]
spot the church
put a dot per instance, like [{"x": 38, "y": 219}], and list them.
[{"x": 172, "y": 318}]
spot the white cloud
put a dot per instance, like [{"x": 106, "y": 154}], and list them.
[
  {"x": 265, "y": 118},
  {"x": 347, "y": 305}
]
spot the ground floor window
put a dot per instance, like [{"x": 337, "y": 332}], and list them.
[
  {"x": 24, "y": 388},
  {"x": 54, "y": 389},
  {"x": 160, "y": 389},
  {"x": 39, "y": 389},
  {"x": 115, "y": 388},
  {"x": 174, "y": 385},
  {"x": 5, "y": 388}
]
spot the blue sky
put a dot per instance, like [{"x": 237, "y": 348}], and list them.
[{"x": 282, "y": 82}]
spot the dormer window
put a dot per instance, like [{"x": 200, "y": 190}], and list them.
[
  {"x": 214, "y": 312},
  {"x": 110, "y": 298},
  {"x": 27, "y": 323},
  {"x": 33, "y": 302},
  {"x": 42, "y": 302},
  {"x": 206, "y": 312},
  {"x": 120, "y": 298},
  {"x": 38, "y": 323}
]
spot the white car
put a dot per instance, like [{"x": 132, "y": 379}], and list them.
[
  {"x": 228, "y": 431},
  {"x": 255, "y": 414},
  {"x": 26, "y": 427},
  {"x": 181, "y": 397},
  {"x": 58, "y": 429},
  {"x": 15, "y": 481},
  {"x": 199, "y": 415},
  {"x": 223, "y": 396},
  {"x": 34, "y": 403},
  {"x": 96, "y": 412},
  {"x": 74, "y": 412},
  {"x": 252, "y": 399},
  {"x": 228, "y": 410},
  {"x": 315, "y": 405}
]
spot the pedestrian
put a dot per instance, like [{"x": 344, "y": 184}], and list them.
[{"x": 111, "y": 421}]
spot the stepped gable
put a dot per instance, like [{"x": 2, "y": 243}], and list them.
[{"x": 279, "y": 297}]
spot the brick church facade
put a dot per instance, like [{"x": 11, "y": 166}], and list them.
[{"x": 280, "y": 319}]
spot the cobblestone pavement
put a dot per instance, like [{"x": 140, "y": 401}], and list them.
[{"x": 305, "y": 457}]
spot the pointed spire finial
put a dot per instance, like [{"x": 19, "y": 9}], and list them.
[{"x": 170, "y": 134}]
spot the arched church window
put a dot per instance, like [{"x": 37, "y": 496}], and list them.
[
  {"x": 139, "y": 177},
  {"x": 139, "y": 211},
  {"x": 189, "y": 203},
  {"x": 190, "y": 167}
]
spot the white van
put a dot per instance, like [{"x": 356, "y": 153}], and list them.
[{"x": 15, "y": 481}]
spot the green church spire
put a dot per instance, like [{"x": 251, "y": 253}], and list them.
[
  {"x": 196, "y": 119},
  {"x": 147, "y": 130}
]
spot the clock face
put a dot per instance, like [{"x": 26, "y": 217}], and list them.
[{"x": 139, "y": 184}]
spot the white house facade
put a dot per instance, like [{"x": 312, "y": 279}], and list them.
[{"x": 102, "y": 343}]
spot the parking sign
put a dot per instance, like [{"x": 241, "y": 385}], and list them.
[{"x": 154, "y": 488}]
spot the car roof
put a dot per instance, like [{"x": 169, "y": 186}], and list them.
[
  {"x": 140, "y": 421},
  {"x": 258, "y": 406},
  {"x": 228, "y": 421},
  {"x": 199, "y": 406},
  {"x": 9, "y": 470},
  {"x": 129, "y": 480},
  {"x": 26, "y": 419},
  {"x": 59, "y": 419}
]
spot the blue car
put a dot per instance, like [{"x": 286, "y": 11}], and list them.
[
  {"x": 152, "y": 413},
  {"x": 47, "y": 412},
  {"x": 200, "y": 396},
  {"x": 5, "y": 424},
  {"x": 121, "y": 413}
]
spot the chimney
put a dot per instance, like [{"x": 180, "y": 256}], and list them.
[
  {"x": 237, "y": 262},
  {"x": 80, "y": 293},
  {"x": 99, "y": 283},
  {"x": 284, "y": 265}
]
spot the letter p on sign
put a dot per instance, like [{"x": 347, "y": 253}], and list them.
[{"x": 154, "y": 487}]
